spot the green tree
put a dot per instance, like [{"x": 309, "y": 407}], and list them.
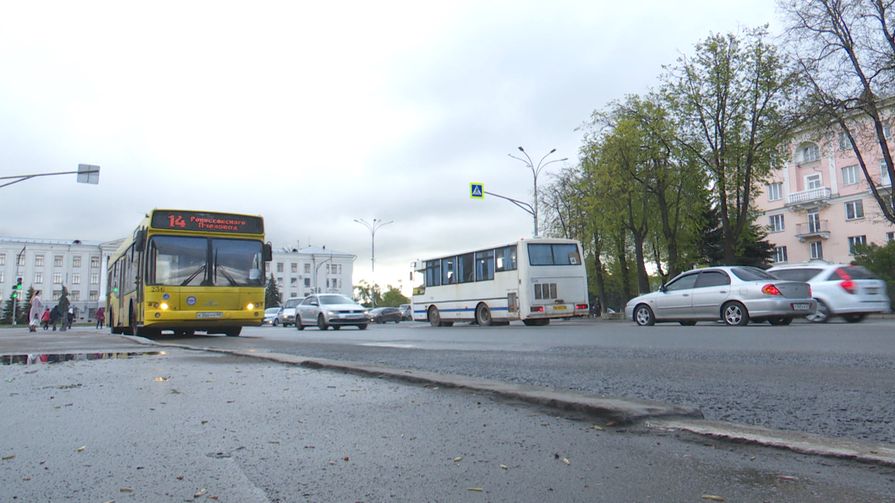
[
  {"x": 272, "y": 296},
  {"x": 881, "y": 261},
  {"x": 7, "y": 310},
  {"x": 845, "y": 53},
  {"x": 393, "y": 297},
  {"x": 729, "y": 103},
  {"x": 367, "y": 294}
]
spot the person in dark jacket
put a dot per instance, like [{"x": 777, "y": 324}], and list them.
[{"x": 55, "y": 316}]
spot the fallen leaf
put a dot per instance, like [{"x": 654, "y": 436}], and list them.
[
  {"x": 787, "y": 477},
  {"x": 179, "y": 477},
  {"x": 200, "y": 492},
  {"x": 598, "y": 427},
  {"x": 712, "y": 497},
  {"x": 81, "y": 449},
  {"x": 126, "y": 489},
  {"x": 566, "y": 461},
  {"x": 504, "y": 467},
  {"x": 160, "y": 379},
  {"x": 345, "y": 458},
  {"x": 458, "y": 459},
  {"x": 26, "y": 479},
  {"x": 7, "y": 458},
  {"x": 475, "y": 489}
]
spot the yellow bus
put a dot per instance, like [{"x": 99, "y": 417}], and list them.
[{"x": 189, "y": 271}]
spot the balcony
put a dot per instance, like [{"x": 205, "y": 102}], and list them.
[
  {"x": 811, "y": 198},
  {"x": 816, "y": 229}
]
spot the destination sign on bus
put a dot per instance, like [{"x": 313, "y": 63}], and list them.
[{"x": 206, "y": 222}]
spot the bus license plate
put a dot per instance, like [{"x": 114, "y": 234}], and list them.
[
  {"x": 801, "y": 307},
  {"x": 203, "y": 315},
  {"x": 559, "y": 308}
]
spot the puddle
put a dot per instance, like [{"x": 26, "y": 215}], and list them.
[{"x": 41, "y": 358}]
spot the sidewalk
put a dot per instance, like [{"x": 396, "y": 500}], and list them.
[{"x": 226, "y": 428}]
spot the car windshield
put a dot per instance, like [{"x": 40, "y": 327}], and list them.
[
  {"x": 271, "y": 310},
  {"x": 335, "y": 299},
  {"x": 752, "y": 274}
]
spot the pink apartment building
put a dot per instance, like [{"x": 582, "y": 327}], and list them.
[{"x": 819, "y": 205}]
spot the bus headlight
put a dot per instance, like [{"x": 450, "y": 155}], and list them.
[
  {"x": 163, "y": 306},
  {"x": 250, "y": 306}
]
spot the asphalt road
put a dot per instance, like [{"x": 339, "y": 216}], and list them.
[
  {"x": 195, "y": 426},
  {"x": 835, "y": 379}
]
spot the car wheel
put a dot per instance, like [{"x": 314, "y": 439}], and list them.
[
  {"x": 821, "y": 314},
  {"x": 434, "y": 317},
  {"x": 687, "y": 323},
  {"x": 483, "y": 315},
  {"x": 781, "y": 320},
  {"x": 643, "y": 316},
  {"x": 321, "y": 322},
  {"x": 362, "y": 326},
  {"x": 735, "y": 314},
  {"x": 298, "y": 325},
  {"x": 854, "y": 318}
]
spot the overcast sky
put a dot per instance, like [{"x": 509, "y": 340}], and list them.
[{"x": 314, "y": 114}]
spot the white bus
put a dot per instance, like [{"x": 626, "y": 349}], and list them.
[{"x": 533, "y": 280}]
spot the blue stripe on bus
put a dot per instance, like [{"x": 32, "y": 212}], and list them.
[{"x": 462, "y": 310}]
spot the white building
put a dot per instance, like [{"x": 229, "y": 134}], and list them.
[
  {"x": 49, "y": 264},
  {"x": 299, "y": 273}
]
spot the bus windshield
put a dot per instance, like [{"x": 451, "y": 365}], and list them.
[{"x": 201, "y": 261}]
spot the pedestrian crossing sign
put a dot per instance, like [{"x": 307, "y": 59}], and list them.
[{"x": 476, "y": 190}]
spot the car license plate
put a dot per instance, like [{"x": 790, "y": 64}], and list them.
[
  {"x": 205, "y": 314},
  {"x": 559, "y": 308},
  {"x": 872, "y": 290},
  {"x": 801, "y": 307}
]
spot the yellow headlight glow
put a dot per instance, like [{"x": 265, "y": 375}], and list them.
[
  {"x": 164, "y": 306},
  {"x": 250, "y": 306}
]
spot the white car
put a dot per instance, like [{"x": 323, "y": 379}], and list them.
[
  {"x": 849, "y": 291},
  {"x": 270, "y": 316},
  {"x": 733, "y": 294},
  {"x": 287, "y": 314},
  {"x": 325, "y": 310}
]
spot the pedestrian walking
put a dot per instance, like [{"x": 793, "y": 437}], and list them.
[
  {"x": 45, "y": 318},
  {"x": 70, "y": 317},
  {"x": 37, "y": 308},
  {"x": 100, "y": 317},
  {"x": 55, "y": 316}
]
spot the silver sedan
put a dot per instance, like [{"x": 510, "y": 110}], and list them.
[{"x": 733, "y": 294}]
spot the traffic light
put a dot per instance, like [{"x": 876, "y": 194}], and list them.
[{"x": 17, "y": 288}]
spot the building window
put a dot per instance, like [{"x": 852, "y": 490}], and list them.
[
  {"x": 855, "y": 241},
  {"x": 307, "y": 282},
  {"x": 816, "y": 249},
  {"x": 57, "y": 294},
  {"x": 39, "y": 278},
  {"x": 94, "y": 278},
  {"x": 776, "y": 223},
  {"x": 57, "y": 261},
  {"x": 280, "y": 281},
  {"x": 844, "y": 143},
  {"x": 57, "y": 278},
  {"x": 294, "y": 267},
  {"x": 94, "y": 262},
  {"x": 854, "y": 210},
  {"x": 780, "y": 254},
  {"x": 293, "y": 281},
  {"x": 76, "y": 278},
  {"x": 2, "y": 276},
  {"x": 775, "y": 191},
  {"x": 887, "y": 132},
  {"x": 850, "y": 175},
  {"x": 76, "y": 261},
  {"x": 75, "y": 295},
  {"x": 890, "y": 236},
  {"x": 809, "y": 152},
  {"x": 307, "y": 268},
  {"x": 279, "y": 267},
  {"x": 2, "y": 259},
  {"x": 38, "y": 261},
  {"x": 812, "y": 182},
  {"x": 94, "y": 295},
  {"x": 884, "y": 173}
]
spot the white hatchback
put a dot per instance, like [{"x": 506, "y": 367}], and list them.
[{"x": 849, "y": 291}]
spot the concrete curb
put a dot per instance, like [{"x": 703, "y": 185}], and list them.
[
  {"x": 614, "y": 411},
  {"x": 805, "y": 443}
]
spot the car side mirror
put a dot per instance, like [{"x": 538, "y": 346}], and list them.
[{"x": 663, "y": 289}]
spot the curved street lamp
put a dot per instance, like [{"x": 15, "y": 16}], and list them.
[
  {"x": 372, "y": 227},
  {"x": 535, "y": 171}
]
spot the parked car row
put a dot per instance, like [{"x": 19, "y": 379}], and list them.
[{"x": 737, "y": 295}]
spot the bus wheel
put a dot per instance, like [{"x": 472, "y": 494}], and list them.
[
  {"x": 434, "y": 317},
  {"x": 483, "y": 315},
  {"x": 232, "y": 331}
]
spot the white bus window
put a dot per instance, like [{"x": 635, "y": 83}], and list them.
[
  {"x": 484, "y": 265},
  {"x": 433, "y": 273},
  {"x": 466, "y": 268},
  {"x": 553, "y": 254},
  {"x": 448, "y": 272},
  {"x": 506, "y": 258}
]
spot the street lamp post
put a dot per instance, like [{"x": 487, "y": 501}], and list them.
[
  {"x": 372, "y": 227},
  {"x": 535, "y": 171}
]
